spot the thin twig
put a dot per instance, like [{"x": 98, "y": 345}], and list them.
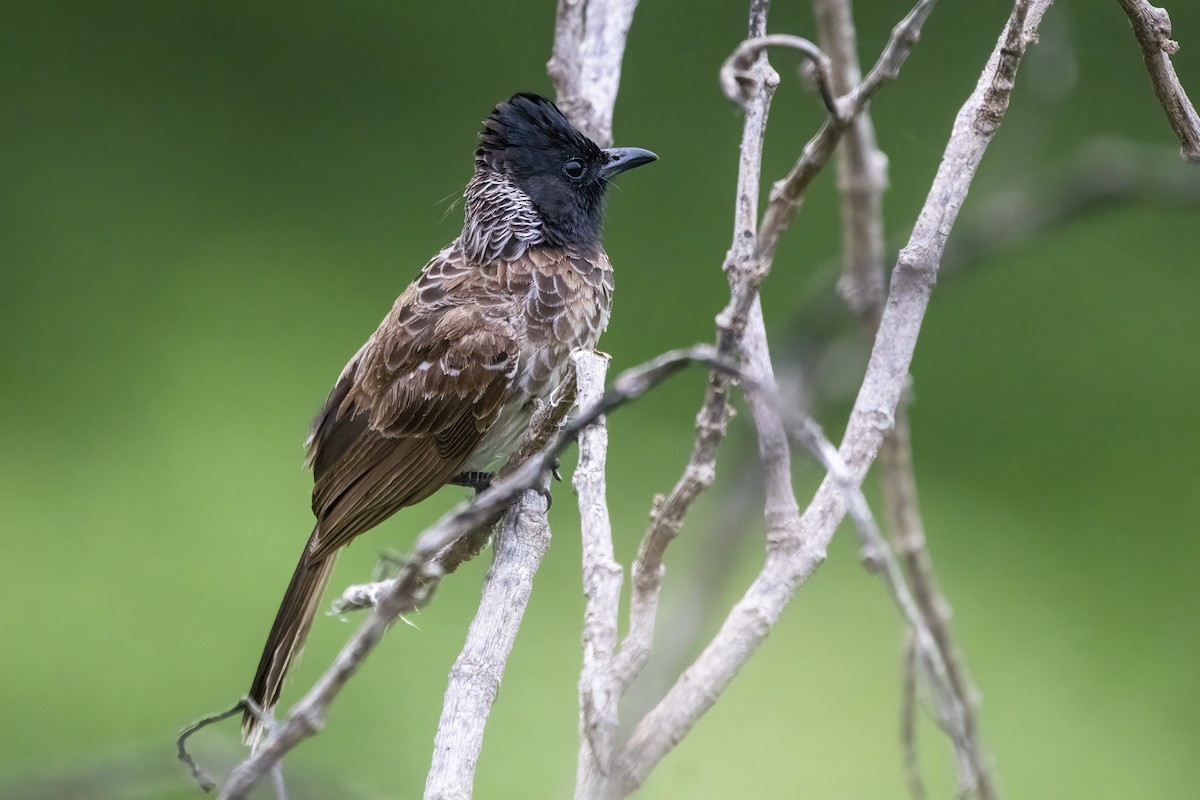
[
  {"x": 791, "y": 562},
  {"x": 900, "y": 495},
  {"x": 277, "y": 782},
  {"x": 1152, "y": 27},
  {"x": 738, "y": 82},
  {"x": 908, "y": 722},
  {"x": 861, "y": 171},
  {"x": 198, "y": 774}
]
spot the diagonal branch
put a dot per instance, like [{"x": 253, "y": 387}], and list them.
[
  {"x": 1152, "y": 27},
  {"x": 518, "y": 550},
  {"x": 862, "y": 179}
]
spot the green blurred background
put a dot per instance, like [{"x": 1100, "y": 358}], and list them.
[{"x": 205, "y": 207}]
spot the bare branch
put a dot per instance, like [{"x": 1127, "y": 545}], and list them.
[
  {"x": 1152, "y": 27},
  {"x": 900, "y": 494},
  {"x": 359, "y": 596},
  {"x": 589, "y": 43},
  {"x": 780, "y": 509},
  {"x": 861, "y": 172},
  {"x": 519, "y": 547},
  {"x": 791, "y": 561},
  {"x": 518, "y": 551},
  {"x": 598, "y": 693},
  {"x": 862, "y": 179}
]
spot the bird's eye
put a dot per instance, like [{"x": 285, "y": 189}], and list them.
[{"x": 574, "y": 169}]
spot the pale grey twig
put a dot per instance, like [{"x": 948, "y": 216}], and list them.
[
  {"x": 861, "y": 171},
  {"x": 739, "y": 84},
  {"x": 277, "y": 782},
  {"x": 1152, "y": 27},
  {"x": 879, "y": 558},
  {"x": 198, "y": 774}
]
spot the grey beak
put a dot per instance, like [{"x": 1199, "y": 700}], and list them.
[{"x": 621, "y": 159}]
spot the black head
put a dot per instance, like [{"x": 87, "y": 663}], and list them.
[{"x": 564, "y": 173}]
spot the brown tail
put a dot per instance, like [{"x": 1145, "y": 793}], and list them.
[{"x": 288, "y": 632}]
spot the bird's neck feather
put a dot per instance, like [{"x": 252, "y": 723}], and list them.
[{"x": 501, "y": 221}]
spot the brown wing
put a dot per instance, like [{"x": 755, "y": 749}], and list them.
[{"x": 408, "y": 410}]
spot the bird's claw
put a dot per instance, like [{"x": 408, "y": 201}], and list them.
[{"x": 479, "y": 481}]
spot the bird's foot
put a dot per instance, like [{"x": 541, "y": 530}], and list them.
[
  {"x": 479, "y": 481},
  {"x": 389, "y": 563}
]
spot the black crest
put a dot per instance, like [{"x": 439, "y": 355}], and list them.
[
  {"x": 529, "y": 141},
  {"x": 523, "y": 131}
]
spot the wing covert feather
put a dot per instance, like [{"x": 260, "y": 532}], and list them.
[{"x": 409, "y": 408}]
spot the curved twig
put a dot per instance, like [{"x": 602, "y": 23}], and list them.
[{"x": 738, "y": 83}]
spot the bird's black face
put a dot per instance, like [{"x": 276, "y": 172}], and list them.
[{"x": 564, "y": 173}]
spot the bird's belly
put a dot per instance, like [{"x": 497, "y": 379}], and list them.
[
  {"x": 538, "y": 381},
  {"x": 503, "y": 438}
]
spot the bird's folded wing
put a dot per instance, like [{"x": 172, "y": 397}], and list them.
[{"x": 406, "y": 413}]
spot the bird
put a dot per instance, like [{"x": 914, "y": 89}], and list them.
[{"x": 442, "y": 392}]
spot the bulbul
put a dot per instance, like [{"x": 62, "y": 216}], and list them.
[{"x": 443, "y": 390}]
